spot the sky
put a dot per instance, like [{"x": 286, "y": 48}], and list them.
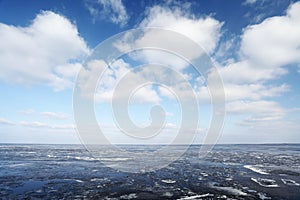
[{"x": 254, "y": 44}]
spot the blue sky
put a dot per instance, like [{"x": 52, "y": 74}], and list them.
[{"x": 253, "y": 43}]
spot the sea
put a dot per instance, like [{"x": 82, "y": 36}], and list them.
[{"x": 254, "y": 171}]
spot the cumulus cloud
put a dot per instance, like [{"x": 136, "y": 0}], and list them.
[
  {"x": 206, "y": 31},
  {"x": 266, "y": 49},
  {"x": 249, "y": 73},
  {"x": 136, "y": 85},
  {"x": 274, "y": 42},
  {"x": 109, "y": 78},
  {"x": 114, "y": 10},
  {"x": 45, "y": 52}
]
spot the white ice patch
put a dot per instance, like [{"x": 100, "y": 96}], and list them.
[
  {"x": 256, "y": 169},
  {"x": 230, "y": 190},
  {"x": 169, "y": 181},
  {"x": 263, "y": 196},
  {"x": 204, "y": 174},
  {"x": 196, "y": 196},
  {"x": 265, "y": 182},
  {"x": 168, "y": 194},
  {"x": 101, "y": 159},
  {"x": 129, "y": 196},
  {"x": 290, "y": 182}
]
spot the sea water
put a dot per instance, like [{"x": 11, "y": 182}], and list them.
[{"x": 228, "y": 171}]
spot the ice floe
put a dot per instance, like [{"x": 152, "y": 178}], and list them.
[
  {"x": 263, "y": 196},
  {"x": 230, "y": 190},
  {"x": 290, "y": 182},
  {"x": 256, "y": 169},
  {"x": 196, "y": 196},
  {"x": 169, "y": 181},
  {"x": 265, "y": 182}
]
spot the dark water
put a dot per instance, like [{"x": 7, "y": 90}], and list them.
[{"x": 228, "y": 172}]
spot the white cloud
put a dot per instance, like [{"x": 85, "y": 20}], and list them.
[
  {"x": 27, "y": 112},
  {"x": 34, "y": 124},
  {"x": 246, "y": 72},
  {"x": 257, "y": 113},
  {"x": 243, "y": 82},
  {"x": 37, "y": 124},
  {"x": 250, "y": 2},
  {"x": 6, "y": 122},
  {"x": 254, "y": 107},
  {"x": 274, "y": 42},
  {"x": 41, "y": 52},
  {"x": 145, "y": 94},
  {"x": 205, "y": 31},
  {"x": 121, "y": 81},
  {"x": 265, "y": 50},
  {"x": 114, "y": 10},
  {"x": 253, "y": 91},
  {"x": 47, "y": 114},
  {"x": 55, "y": 115},
  {"x": 109, "y": 78}
]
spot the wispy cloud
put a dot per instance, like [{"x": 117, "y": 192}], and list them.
[
  {"x": 27, "y": 112},
  {"x": 6, "y": 122},
  {"x": 37, "y": 124},
  {"x": 250, "y": 1},
  {"x": 47, "y": 114},
  {"x": 114, "y": 10},
  {"x": 55, "y": 115}
]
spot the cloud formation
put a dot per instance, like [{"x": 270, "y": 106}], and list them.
[
  {"x": 114, "y": 10},
  {"x": 205, "y": 31},
  {"x": 37, "y": 124},
  {"x": 266, "y": 48},
  {"x": 274, "y": 42},
  {"x": 45, "y": 52},
  {"x": 6, "y": 122},
  {"x": 55, "y": 115}
]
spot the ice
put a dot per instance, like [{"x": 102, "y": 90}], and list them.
[
  {"x": 129, "y": 196},
  {"x": 263, "y": 196},
  {"x": 197, "y": 196},
  {"x": 230, "y": 190},
  {"x": 290, "y": 182},
  {"x": 71, "y": 172},
  {"x": 169, "y": 181},
  {"x": 256, "y": 169},
  {"x": 204, "y": 174},
  {"x": 168, "y": 194},
  {"x": 265, "y": 182}
]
